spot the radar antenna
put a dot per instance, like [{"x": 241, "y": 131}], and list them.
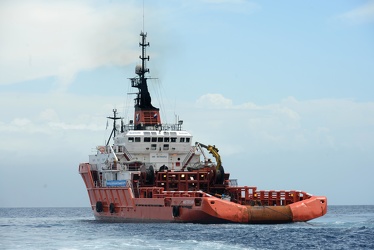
[{"x": 114, "y": 130}]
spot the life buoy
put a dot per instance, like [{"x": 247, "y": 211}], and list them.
[
  {"x": 99, "y": 206},
  {"x": 176, "y": 211},
  {"x": 112, "y": 208}
]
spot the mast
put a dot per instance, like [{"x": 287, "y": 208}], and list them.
[
  {"x": 146, "y": 115},
  {"x": 114, "y": 130}
]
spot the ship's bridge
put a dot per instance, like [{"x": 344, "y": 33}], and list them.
[
  {"x": 142, "y": 141},
  {"x": 171, "y": 149}
]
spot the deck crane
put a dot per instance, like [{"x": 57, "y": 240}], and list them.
[{"x": 220, "y": 172}]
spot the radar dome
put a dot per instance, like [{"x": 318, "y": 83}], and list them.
[{"x": 138, "y": 69}]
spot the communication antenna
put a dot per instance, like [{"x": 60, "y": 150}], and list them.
[{"x": 143, "y": 15}]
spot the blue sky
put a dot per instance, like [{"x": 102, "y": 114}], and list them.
[{"x": 283, "y": 88}]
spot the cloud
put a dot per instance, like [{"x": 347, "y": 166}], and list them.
[
  {"x": 47, "y": 114},
  {"x": 361, "y": 14},
  {"x": 214, "y": 101},
  {"x": 288, "y": 125},
  {"x": 61, "y": 38},
  {"x": 47, "y": 129}
]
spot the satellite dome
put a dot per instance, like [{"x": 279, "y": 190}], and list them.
[{"x": 138, "y": 69}]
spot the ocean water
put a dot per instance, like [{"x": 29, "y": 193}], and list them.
[{"x": 343, "y": 227}]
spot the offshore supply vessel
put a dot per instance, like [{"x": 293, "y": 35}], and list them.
[{"x": 152, "y": 172}]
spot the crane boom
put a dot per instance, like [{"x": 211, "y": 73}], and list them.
[{"x": 212, "y": 150}]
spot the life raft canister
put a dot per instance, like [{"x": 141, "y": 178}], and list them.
[
  {"x": 176, "y": 211},
  {"x": 99, "y": 206},
  {"x": 111, "y": 208}
]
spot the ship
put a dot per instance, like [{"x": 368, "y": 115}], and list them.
[{"x": 149, "y": 171}]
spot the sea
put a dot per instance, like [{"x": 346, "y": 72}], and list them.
[{"x": 343, "y": 227}]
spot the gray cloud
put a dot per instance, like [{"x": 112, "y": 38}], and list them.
[{"x": 61, "y": 38}]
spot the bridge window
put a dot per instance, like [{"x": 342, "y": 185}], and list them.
[
  {"x": 154, "y": 139},
  {"x": 137, "y": 139},
  {"x": 187, "y": 139},
  {"x": 131, "y": 139},
  {"x": 147, "y": 139},
  {"x": 153, "y": 146},
  {"x": 181, "y": 139},
  {"x": 166, "y": 139},
  {"x": 173, "y": 139},
  {"x": 160, "y": 139}
]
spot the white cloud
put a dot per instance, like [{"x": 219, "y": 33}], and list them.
[
  {"x": 49, "y": 115},
  {"x": 21, "y": 122},
  {"x": 361, "y": 14},
  {"x": 214, "y": 101},
  {"x": 53, "y": 113},
  {"x": 61, "y": 38},
  {"x": 51, "y": 131},
  {"x": 285, "y": 126},
  {"x": 288, "y": 125},
  {"x": 83, "y": 127}
]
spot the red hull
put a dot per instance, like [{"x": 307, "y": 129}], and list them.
[{"x": 120, "y": 204}]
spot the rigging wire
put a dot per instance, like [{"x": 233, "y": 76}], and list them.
[
  {"x": 158, "y": 90},
  {"x": 162, "y": 90},
  {"x": 126, "y": 108}
]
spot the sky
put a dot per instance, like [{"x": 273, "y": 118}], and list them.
[{"x": 284, "y": 89}]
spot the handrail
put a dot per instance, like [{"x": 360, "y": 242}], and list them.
[
  {"x": 188, "y": 157},
  {"x": 127, "y": 154}
]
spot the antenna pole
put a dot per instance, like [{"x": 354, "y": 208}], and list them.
[
  {"x": 143, "y": 15},
  {"x": 114, "y": 118}
]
